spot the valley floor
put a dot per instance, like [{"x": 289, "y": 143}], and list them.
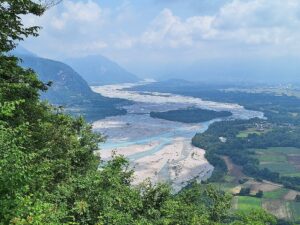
[
  {"x": 177, "y": 162},
  {"x": 159, "y": 150}
]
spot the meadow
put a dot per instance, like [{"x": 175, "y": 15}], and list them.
[
  {"x": 284, "y": 160},
  {"x": 246, "y": 133}
]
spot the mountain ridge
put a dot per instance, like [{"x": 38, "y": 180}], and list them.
[
  {"x": 69, "y": 89},
  {"x": 99, "y": 70}
]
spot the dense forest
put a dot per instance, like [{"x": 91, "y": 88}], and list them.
[
  {"x": 190, "y": 115},
  {"x": 49, "y": 174}
]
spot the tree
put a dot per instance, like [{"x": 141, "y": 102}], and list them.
[
  {"x": 297, "y": 198},
  {"x": 259, "y": 194},
  {"x": 245, "y": 191},
  {"x": 257, "y": 217},
  {"x": 12, "y": 28}
]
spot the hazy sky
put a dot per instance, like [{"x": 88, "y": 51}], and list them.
[{"x": 144, "y": 35}]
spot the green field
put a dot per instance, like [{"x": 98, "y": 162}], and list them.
[
  {"x": 229, "y": 179},
  {"x": 274, "y": 200},
  {"x": 281, "y": 150},
  {"x": 225, "y": 186},
  {"x": 270, "y": 90},
  {"x": 277, "y": 194},
  {"x": 282, "y": 160},
  {"x": 295, "y": 209},
  {"x": 248, "y": 203},
  {"x": 245, "y": 133},
  {"x": 278, "y": 158}
]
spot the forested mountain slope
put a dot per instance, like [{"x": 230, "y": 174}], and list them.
[{"x": 69, "y": 89}]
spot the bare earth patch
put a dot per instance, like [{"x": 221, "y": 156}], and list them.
[
  {"x": 291, "y": 195},
  {"x": 194, "y": 166},
  {"x": 235, "y": 201},
  {"x": 148, "y": 167},
  {"x": 234, "y": 170},
  {"x": 127, "y": 151},
  {"x": 278, "y": 208},
  {"x": 294, "y": 159},
  {"x": 236, "y": 190},
  {"x": 181, "y": 161},
  {"x": 264, "y": 186}
]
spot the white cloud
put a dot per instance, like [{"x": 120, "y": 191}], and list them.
[
  {"x": 248, "y": 22},
  {"x": 259, "y": 21},
  {"x": 58, "y": 24},
  {"x": 168, "y": 30},
  {"x": 83, "y": 27},
  {"x": 82, "y": 12},
  {"x": 124, "y": 42},
  {"x": 72, "y": 28}
]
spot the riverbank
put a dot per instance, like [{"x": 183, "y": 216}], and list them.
[{"x": 159, "y": 150}]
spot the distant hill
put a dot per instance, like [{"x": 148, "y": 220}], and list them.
[
  {"x": 21, "y": 51},
  {"x": 69, "y": 89},
  {"x": 99, "y": 70},
  {"x": 68, "y": 86},
  {"x": 260, "y": 70},
  {"x": 180, "y": 86}
]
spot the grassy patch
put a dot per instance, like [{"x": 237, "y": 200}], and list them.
[
  {"x": 294, "y": 174},
  {"x": 229, "y": 179},
  {"x": 284, "y": 169},
  {"x": 295, "y": 210},
  {"x": 283, "y": 150},
  {"x": 277, "y": 194},
  {"x": 224, "y": 186},
  {"x": 245, "y": 133},
  {"x": 248, "y": 203},
  {"x": 272, "y": 157},
  {"x": 284, "y": 160}
]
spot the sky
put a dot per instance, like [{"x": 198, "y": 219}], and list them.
[{"x": 155, "y": 38}]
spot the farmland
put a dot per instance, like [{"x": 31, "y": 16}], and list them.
[
  {"x": 276, "y": 199},
  {"x": 248, "y": 203},
  {"x": 247, "y": 132},
  {"x": 284, "y": 160}
]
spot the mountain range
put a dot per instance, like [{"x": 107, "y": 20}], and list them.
[
  {"x": 99, "y": 70},
  {"x": 68, "y": 88},
  {"x": 265, "y": 71}
]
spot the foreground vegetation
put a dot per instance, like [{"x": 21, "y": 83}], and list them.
[{"x": 49, "y": 174}]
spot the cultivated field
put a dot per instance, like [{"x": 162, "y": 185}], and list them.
[
  {"x": 276, "y": 199},
  {"x": 283, "y": 160},
  {"x": 246, "y": 133}
]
